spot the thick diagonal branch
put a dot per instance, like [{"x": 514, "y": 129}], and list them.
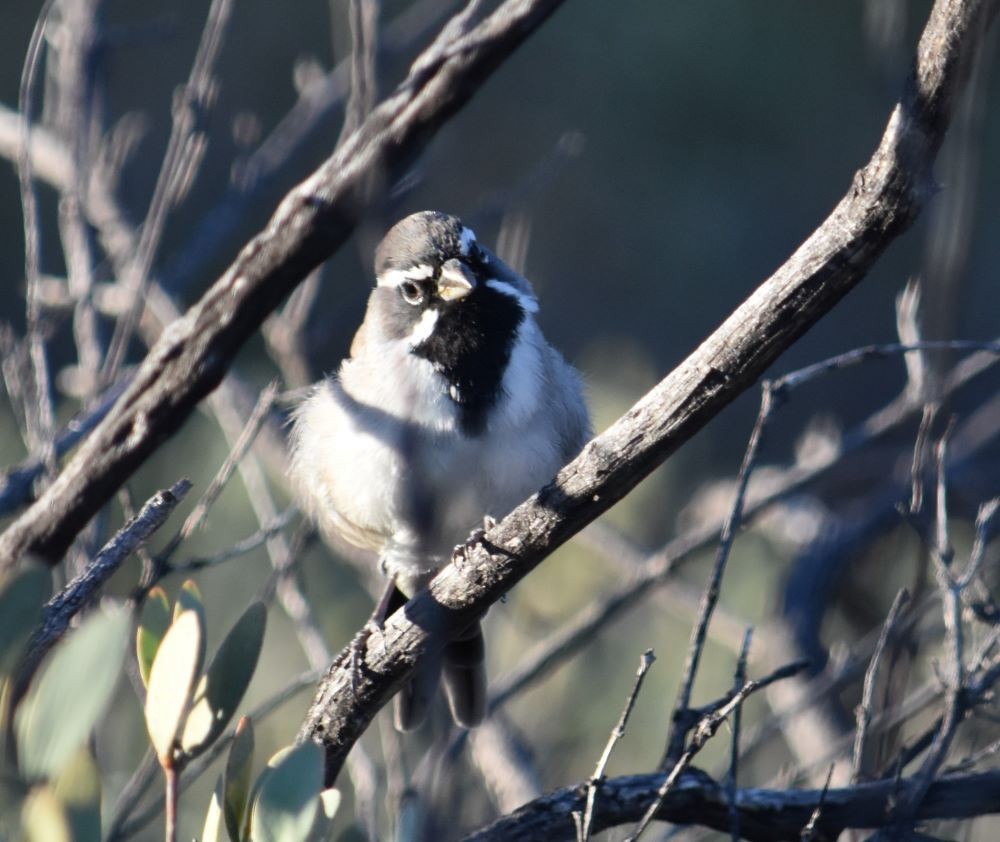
[{"x": 883, "y": 200}]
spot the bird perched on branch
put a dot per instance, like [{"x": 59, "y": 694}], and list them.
[{"x": 452, "y": 407}]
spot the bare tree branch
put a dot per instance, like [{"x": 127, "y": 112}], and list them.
[
  {"x": 765, "y": 814},
  {"x": 884, "y": 199},
  {"x": 61, "y": 609}
]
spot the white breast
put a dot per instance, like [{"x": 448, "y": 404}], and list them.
[{"x": 382, "y": 441}]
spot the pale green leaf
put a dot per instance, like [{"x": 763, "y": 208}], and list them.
[
  {"x": 239, "y": 766},
  {"x": 153, "y": 625},
  {"x": 78, "y": 786},
  {"x": 70, "y": 692},
  {"x": 214, "y": 829},
  {"x": 171, "y": 682},
  {"x": 222, "y": 687},
  {"x": 44, "y": 819},
  {"x": 189, "y": 599},
  {"x": 330, "y": 802},
  {"x": 286, "y": 804}
]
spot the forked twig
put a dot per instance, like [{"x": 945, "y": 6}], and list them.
[
  {"x": 704, "y": 731},
  {"x": 645, "y": 662},
  {"x": 864, "y": 710}
]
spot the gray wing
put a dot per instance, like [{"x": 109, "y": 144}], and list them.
[{"x": 567, "y": 405}]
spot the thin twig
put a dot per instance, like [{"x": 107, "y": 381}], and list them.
[
  {"x": 869, "y": 352},
  {"x": 984, "y": 530},
  {"x": 240, "y": 548},
  {"x": 973, "y": 759},
  {"x": 645, "y": 662},
  {"x": 732, "y": 780},
  {"x": 39, "y": 413},
  {"x": 172, "y": 774},
  {"x": 919, "y": 452},
  {"x": 810, "y": 828},
  {"x": 17, "y": 482},
  {"x": 182, "y": 156},
  {"x": 864, "y": 710},
  {"x": 61, "y": 609},
  {"x": 363, "y": 21},
  {"x": 246, "y": 438},
  {"x": 682, "y": 719},
  {"x": 951, "y": 599}
]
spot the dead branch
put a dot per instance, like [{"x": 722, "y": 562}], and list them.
[{"x": 765, "y": 814}]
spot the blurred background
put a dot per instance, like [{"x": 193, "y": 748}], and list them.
[{"x": 647, "y": 166}]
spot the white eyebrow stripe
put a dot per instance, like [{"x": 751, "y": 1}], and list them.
[
  {"x": 395, "y": 277},
  {"x": 468, "y": 240},
  {"x": 423, "y": 329},
  {"x": 528, "y": 302}
]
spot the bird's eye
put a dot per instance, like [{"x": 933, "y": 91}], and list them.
[{"x": 411, "y": 292}]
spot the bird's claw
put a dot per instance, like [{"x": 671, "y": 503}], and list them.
[
  {"x": 461, "y": 551},
  {"x": 360, "y": 644}
]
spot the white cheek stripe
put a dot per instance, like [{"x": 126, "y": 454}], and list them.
[
  {"x": 468, "y": 240},
  {"x": 528, "y": 302},
  {"x": 423, "y": 329},
  {"x": 395, "y": 277}
]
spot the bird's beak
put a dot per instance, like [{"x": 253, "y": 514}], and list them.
[{"x": 456, "y": 280}]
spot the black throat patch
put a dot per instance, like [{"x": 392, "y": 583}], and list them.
[{"x": 471, "y": 346}]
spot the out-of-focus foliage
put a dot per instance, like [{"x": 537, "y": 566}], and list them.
[
  {"x": 187, "y": 709},
  {"x": 69, "y": 694},
  {"x": 50, "y": 786}
]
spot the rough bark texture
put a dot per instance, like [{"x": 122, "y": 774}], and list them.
[
  {"x": 764, "y": 814},
  {"x": 311, "y": 223},
  {"x": 883, "y": 200}
]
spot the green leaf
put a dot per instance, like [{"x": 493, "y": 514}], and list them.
[
  {"x": 21, "y": 599},
  {"x": 239, "y": 766},
  {"x": 329, "y": 800},
  {"x": 189, "y": 599},
  {"x": 70, "y": 693},
  {"x": 171, "y": 683},
  {"x": 214, "y": 828},
  {"x": 288, "y": 799},
  {"x": 78, "y": 786},
  {"x": 44, "y": 819},
  {"x": 153, "y": 626},
  {"x": 222, "y": 687}
]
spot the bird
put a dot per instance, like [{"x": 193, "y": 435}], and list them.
[{"x": 451, "y": 409}]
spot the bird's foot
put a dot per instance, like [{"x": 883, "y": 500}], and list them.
[
  {"x": 358, "y": 646},
  {"x": 461, "y": 552},
  {"x": 375, "y": 624}
]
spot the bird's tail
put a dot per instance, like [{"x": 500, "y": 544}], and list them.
[{"x": 462, "y": 669}]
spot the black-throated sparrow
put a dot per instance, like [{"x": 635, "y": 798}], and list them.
[{"x": 451, "y": 407}]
